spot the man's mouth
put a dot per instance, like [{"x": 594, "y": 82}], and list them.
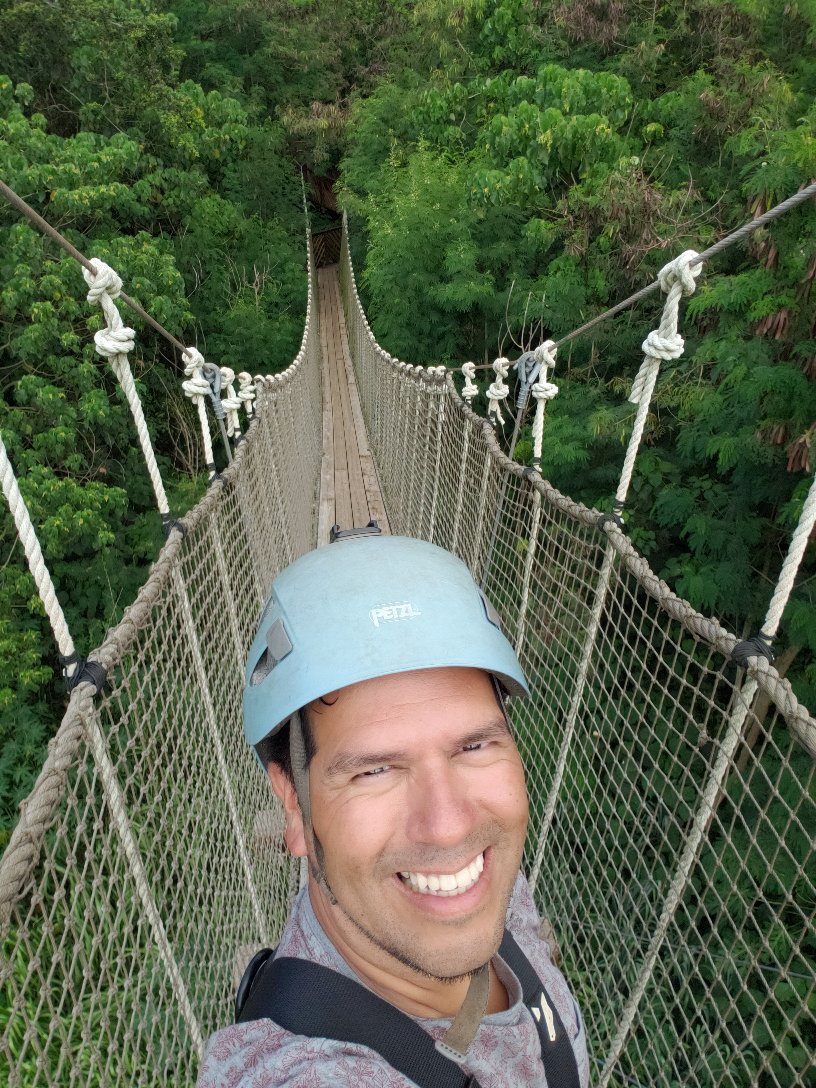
[{"x": 445, "y": 883}]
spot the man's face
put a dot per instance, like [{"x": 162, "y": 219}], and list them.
[{"x": 418, "y": 789}]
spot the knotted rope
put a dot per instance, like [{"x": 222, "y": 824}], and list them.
[
  {"x": 470, "y": 389},
  {"x": 231, "y": 402},
  {"x": 197, "y": 388},
  {"x": 246, "y": 392},
  {"x": 542, "y": 390},
  {"x": 678, "y": 280},
  {"x": 113, "y": 343},
  {"x": 498, "y": 391}
]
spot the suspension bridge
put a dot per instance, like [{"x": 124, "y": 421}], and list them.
[{"x": 670, "y": 769}]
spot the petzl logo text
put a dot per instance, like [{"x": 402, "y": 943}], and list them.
[{"x": 388, "y": 612}]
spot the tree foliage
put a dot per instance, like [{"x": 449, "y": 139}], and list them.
[{"x": 548, "y": 160}]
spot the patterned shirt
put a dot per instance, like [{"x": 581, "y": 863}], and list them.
[{"x": 506, "y": 1052}]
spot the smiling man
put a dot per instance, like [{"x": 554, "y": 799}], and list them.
[{"x": 375, "y": 701}]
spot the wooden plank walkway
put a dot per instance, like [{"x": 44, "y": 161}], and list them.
[{"x": 350, "y": 493}]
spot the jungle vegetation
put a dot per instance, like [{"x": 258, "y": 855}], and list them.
[{"x": 509, "y": 166}]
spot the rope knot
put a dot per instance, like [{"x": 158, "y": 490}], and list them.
[
  {"x": 111, "y": 342},
  {"x": 679, "y": 271},
  {"x": 659, "y": 346},
  {"x": 544, "y": 390},
  {"x": 103, "y": 282},
  {"x": 193, "y": 360},
  {"x": 470, "y": 389},
  {"x": 498, "y": 390},
  {"x": 246, "y": 391},
  {"x": 545, "y": 354},
  {"x": 196, "y": 385},
  {"x": 231, "y": 402}
]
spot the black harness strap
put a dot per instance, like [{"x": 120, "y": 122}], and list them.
[
  {"x": 315, "y": 1001},
  {"x": 308, "y": 999},
  {"x": 557, "y": 1054}
]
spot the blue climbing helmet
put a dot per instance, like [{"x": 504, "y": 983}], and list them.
[{"x": 366, "y": 606}]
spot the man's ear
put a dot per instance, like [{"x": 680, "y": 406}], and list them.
[{"x": 294, "y": 835}]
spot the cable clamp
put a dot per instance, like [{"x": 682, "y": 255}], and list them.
[
  {"x": 758, "y": 646},
  {"x": 90, "y": 672},
  {"x": 606, "y": 519},
  {"x": 170, "y": 523}
]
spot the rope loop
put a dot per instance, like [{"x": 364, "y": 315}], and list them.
[
  {"x": 545, "y": 354},
  {"x": 196, "y": 386},
  {"x": 105, "y": 281},
  {"x": 680, "y": 271},
  {"x": 231, "y": 402},
  {"x": 470, "y": 389},
  {"x": 542, "y": 390},
  {"x": 498, "y": 390},
  {"x": 103, "y": 288},
  {"x": 246, "y": 392}
]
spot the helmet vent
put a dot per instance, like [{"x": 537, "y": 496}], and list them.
[
  {"x": 278, "y": 646},
  {"x": 490, "y": 611}
]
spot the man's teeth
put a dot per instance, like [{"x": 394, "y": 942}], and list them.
[{"x": 445, "y": 883}]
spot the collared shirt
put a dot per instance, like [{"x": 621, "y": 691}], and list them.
[{"x": 506, "y": 1052}]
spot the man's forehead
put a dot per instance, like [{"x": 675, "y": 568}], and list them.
[{"x": 384, "y": 693}]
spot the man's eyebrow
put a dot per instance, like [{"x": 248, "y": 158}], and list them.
[
  {"x": 347, "y": 762},
  {"x": 490, "y": 731},
  {"x": 353, "y": 762}
]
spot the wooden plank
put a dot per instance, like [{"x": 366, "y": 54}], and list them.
[
  {"x": 357, "y": 491},
  {"x": 325, "y": 511},
  {"x": 342, "y": 490},
  {"x": 359, "y": 422},
  {"x": 376, "y": 504},
  {"x": 350, "y": 491}
]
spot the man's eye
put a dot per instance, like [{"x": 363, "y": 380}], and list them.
[
  {"x": 374, "y": 772},
  {"x": 477, "y": 744}
]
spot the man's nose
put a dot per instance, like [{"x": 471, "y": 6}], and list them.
[{"x": 442, "y": 810}]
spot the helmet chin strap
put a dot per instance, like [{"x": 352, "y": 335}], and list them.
[
  {"x": 456, "y": 1041},
  {"x": 300, "y": 776}
]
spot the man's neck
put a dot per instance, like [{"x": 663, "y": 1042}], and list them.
[{"x": 403, "y": 987}]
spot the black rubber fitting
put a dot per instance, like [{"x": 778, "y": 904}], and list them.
[{"x": 758, "y": 646}]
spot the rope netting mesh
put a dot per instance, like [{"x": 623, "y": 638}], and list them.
[
  {"x": 671, "y": 842},
  {"x": 147, "y": 863}
]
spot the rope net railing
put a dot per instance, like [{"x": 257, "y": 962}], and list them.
[
  {"x": 672, "y": 805},
  {"x": 147, "y": 862},
  {"x": 672, "y": 809}
]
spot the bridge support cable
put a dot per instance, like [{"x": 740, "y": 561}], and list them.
[
  {"x": 114, "y": 343},
  {"x": 807, "y": 192},
  {"x": 629, "y": 743},
  {"x": 678, "y": 280},
  {"x": 716, "y": 782},
  {"x": 137, "y": 838},
  {"x": 117, "y": 331}
]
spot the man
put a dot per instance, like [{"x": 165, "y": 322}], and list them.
[{"x": 375, "y": 700}]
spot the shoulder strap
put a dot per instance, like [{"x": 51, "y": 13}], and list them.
[
  {"x": 557, "y": 1053},
  {"x": 308, "y": 999}
]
